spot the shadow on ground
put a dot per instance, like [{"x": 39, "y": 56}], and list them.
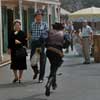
[
  {"x": 15, "y": 85},
  {"x": 33, "y": 97}
]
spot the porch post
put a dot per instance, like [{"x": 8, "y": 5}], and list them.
[
  {"x": 48, "y": 15},
  {"x": 35, "y": 6},
  {"x": 1, "y": 42},
  {"x": 20, "y": 11},
  {"x": 58, "y": 13}
]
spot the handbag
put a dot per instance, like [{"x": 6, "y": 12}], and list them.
[{"x": 20, "y": 52}]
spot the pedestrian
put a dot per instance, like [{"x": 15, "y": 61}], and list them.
[
  {"x": 39, "y": 34},
  {"x": 16, "y": 48},
  {"x": 77, "y": 41},
  {"x": 87, "y": 39},
  {"x": 69, "y": 29},
  {"x": 54, "y": 53}
]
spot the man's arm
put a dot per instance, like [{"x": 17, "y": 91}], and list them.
[
  {"x": 91, "y": 35},
  {"x": 45, "y": 32}
]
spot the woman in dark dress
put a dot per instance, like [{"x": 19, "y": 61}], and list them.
[{"x": 16, "y": 40}]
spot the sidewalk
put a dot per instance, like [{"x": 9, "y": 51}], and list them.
[
  {"x": 76, "y": 81},
  {"x": 5, "y": 60}
]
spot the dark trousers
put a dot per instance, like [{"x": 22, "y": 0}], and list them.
[
  {"x": 55, "y": 62},
  {"x": 42, "y": 62}
]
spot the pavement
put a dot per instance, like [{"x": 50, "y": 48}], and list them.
[
  {"x": 75, "y": 82},
  {"x": 5, "y": 60}
]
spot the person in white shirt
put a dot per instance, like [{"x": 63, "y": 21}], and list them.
[{"x": 87, "y": 38}]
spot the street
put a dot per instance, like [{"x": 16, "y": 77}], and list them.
[{"x": 75, "y": 82}]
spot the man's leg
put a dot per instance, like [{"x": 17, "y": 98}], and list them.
[
  {"x": 86, "y": 50},
  {"x": 55, "y": 64},
  {"x": 35, "y": 67},
  {"x": 42, "y": 65}
]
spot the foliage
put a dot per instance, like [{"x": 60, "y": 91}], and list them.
[{"x": 73, "y": 5}]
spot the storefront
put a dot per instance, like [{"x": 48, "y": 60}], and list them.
[{"x": 24, "y": 10}]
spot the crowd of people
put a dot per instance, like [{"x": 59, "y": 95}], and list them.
[
  {"x": 49, "y": 44},
  {"x": 81, "y": 39}
]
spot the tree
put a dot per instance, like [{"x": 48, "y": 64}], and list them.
[{"x": 73, "y": 5}]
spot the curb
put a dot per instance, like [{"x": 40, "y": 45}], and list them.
[{"x": 5, "y": 63}]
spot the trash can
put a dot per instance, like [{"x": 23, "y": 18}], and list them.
[{"x": 96, "y": 39}]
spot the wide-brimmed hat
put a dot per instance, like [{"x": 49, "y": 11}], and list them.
[
  {"x": 39, "y": 12},
  {"x": 17, "y": 21},
  {"x": 58, "y": 26}
]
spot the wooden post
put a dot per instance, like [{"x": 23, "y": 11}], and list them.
[
  {"x": 35, "y": 6},
  {"x": 1, "y": 42},
  {"x": 21, "y": 11}
]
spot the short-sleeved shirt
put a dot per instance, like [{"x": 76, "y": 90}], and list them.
[
  {"x": 86, "y": 31},
  {"x": 38, "y": 30}
]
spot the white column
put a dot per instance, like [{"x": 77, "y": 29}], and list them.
[
  {"x": 20, "y": 11},
  {"x": 59, "y": 13},
  {"x": 55, "y": 14},
  {"x": 49, "y": 12},
  {"x": 35, "y": 6},
  {"x": 1, "y": 43}
]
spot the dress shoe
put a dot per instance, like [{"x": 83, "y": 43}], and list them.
[
  {"x": 19, "y": 81},
  {"x": 40, "y": 81},
  {"x": 15, "y": 80},
  {"x": 86, "y": 62},
  {"x": 35, "y": 75}
]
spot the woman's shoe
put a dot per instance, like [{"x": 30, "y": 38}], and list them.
[
  {"x": 15, "y": 80},
  {"x": 19, "y": 81}
]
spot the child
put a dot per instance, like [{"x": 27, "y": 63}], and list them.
[{"x": 77, "y": 43}]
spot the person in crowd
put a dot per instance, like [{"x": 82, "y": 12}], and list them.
[
  {"x": 87, "y": 39},
  {"x": 39, "y": 34},
  {"x": 55, "y": 54},
  {"x": 69, "y": 29},
  {"x": 16, "y": 44},
  {"x": 77, "y": 41}
]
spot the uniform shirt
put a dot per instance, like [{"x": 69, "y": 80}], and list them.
[
  {"x": 39, "y": 30},
  {"x": 86, "y": 31}
]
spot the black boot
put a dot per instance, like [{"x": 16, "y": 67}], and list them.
[
  {"x": 35, "y": 69},
  {"x": 54, "y": 84},
  {"x": 48, "y": 86}
]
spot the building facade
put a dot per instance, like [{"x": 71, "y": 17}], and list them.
[{"x": 24, "y": 10}]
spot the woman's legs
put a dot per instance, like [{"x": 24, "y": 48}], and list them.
[
  {"x": 35, "y": 70},
  {"x": 15, "y": 75},
  {"x": 20, "y": 75}
]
